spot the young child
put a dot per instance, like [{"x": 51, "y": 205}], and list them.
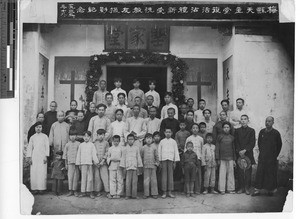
[
  {"x": 209, "y": 160},
  {"x": 135, "y": 92},
  {"x": 189, "y": 121},
  {"x": 90, "y": 114},
  {"x": 71, "y": 114},
  {"x": 99, "y": 122},
  {"x": 169, "y": 104},
  {"x": 181, "y": 136},
  {"x": 203, "y": 131},
  {"x": 37, "y": 153},
  {"x": 117, "y": 90},
  {"x": 198, "y": 145},
  {"x": 199, "y": 113},
  {"x": 99, "y": 95},
  {"x": 80, "y": 126},
  {"x": 225, "y": 154},
  {"x": 153, "y": 123},
  {"x": 131, "y": 163},
  {"x": 168, "y": 156},
  {"x": 59, "y": 133},
  {"x": 50, "y": 117},
  {"x": 69, "y": 155},
  {"x": 57, "y": 173},
  {"x": 150, "y": 160},
  {"x": 189, "y": 163},
  {"x": 110, "y": 108},
  {"x": 101, "y": 170},
  {"x": 190, "y": 104},
  {"x": 117, "y": 127},
  {"x": 208, "y": 121},
  {"x": 169, "y": 122},
  {"x": 86, "y": 157},
  {"x": 152, "y": 92},
  {"x": 121, "y": 105},
  {"x": 115, "y": 172}
]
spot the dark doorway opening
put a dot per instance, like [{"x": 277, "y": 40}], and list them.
[{"x": 143, "y": 73}]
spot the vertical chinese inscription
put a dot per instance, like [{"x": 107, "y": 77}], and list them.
[
  {"x": 159, "y": 38},
  {"x": 115, "y": 37},
  {"x": 137, "y": 37}
]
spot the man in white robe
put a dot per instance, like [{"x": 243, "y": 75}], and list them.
[
  {"x": 59, "y": 133},
  {"x": 37, "y": 152}
]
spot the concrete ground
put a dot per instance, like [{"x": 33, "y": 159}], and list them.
[{"x": 49, "y": 204}]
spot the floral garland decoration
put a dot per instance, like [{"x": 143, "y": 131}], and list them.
[{"x": 178, "y": 68}]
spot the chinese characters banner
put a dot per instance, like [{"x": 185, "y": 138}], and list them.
[
  {"x": 121, "y": 10},
  {"x": 120, "y": 36}
]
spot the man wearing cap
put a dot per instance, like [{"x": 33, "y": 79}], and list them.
[
  {"x": 269, "y": 145},
  {"x": 244, "y": 142}
]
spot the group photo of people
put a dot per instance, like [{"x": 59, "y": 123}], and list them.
[{"x": 140, "y": 144}]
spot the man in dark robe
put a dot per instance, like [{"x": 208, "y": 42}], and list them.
[
  {"x": 244, "y": 140},
  {"x": 90, "y": 113},
  {"x": 170, "y": 122},
  {"x": 269, "y": 144},
  {"x": 50, "y": 117},
  {"x": 31, "y": 132}
]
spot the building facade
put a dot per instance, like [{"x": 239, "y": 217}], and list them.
[{"x": 228, "y": 57}]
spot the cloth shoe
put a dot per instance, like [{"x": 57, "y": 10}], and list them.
[
  {"x": 171, "y": 195},
  {"x": 70, "y": 193}
]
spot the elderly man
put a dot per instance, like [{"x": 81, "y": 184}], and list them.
[{"x": 269, "y": 144}]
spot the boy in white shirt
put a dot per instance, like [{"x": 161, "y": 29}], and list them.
[
  {"x": 169, "y": 104},
  {"x": 198, "y": 115},
  {"x": 86, "y": 157},
  {"x": 152, "y": 92},
  {"x": 168, "y": 156},
  {"x": 117, "y": 90}
]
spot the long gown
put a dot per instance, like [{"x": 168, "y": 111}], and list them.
[
  {"x": 269, "y": 144},
  {"x": 38, "y": 150}
]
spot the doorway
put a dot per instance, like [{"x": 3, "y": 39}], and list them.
[{"x": 143, "y": 73}]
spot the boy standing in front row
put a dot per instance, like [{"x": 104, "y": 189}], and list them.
[
  {"x": 115, "y": 172},
  {"x": 149, "y": 156},
  {"x": 57, "y": 173},
  {"x": 69, "y": 155},
  {"x": 101, "y": 170},
  {"x": 86, "y": 157},
  {"x": 225, "y": 154},
  {"x": 209, "y": 160},
  {"x": 131, "y": 162},
  {"x": 168, "y": 155},
  {"x": 189, "y": 163}
]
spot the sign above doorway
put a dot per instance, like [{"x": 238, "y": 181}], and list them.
[
  {"x": 186, "y": 11},
  {"x": 129, "y": 36}
]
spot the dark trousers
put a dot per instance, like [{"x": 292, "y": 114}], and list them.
[
  {"x": 245, "y": 178},
  {"x": 131, "y": 183},
  {"x": 57, "y": 185},
  {"x": 198, "y": 182},
  {"x": 167, "y": 183}
]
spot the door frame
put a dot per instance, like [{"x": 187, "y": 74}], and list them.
[{"x": 138, "y": 64}]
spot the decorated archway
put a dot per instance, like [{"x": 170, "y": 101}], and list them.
[{"x": 178, "y": 69}]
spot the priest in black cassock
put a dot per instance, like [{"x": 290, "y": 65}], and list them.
[{"x": 269, "y": 144}]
